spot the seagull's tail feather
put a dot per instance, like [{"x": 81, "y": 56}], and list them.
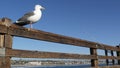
[{"x": 20, "y": 23}]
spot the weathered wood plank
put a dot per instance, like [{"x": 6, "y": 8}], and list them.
[
  {"x": 5, "y": 43},
  {"x": 107, "y": 57},
  {"x": 6, "y": 21},
  {"x": 4, "y": 63},
  {"x": 47, "y": 36},
  {"x": 8, "y": 41},
  {"x": 39, "y": 54},
  {"x": 8, "y": 44},
  {"x": 4, "y": 24},
  {"x": 3, "y": 29},
  {"x": 1, "y": 40}
]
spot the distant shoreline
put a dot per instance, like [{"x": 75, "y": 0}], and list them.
[
  {"x": 55, "y": 66},
  {"x": 48, "y": 65}
]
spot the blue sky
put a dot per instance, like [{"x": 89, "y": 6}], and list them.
[{"x": 93, "y": 20}]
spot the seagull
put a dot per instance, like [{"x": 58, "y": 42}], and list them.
[{"x": 30, "y": 17}]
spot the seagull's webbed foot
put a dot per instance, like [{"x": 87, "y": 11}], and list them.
[{"x": 29, "y": 29}]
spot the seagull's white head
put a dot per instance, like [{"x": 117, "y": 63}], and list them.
[{"x": 39, "y": 7}]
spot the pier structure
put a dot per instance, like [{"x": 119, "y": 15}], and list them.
[{"x": 9, "y": 30}]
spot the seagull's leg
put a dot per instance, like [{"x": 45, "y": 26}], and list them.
[{"x": 30, "y": 26}]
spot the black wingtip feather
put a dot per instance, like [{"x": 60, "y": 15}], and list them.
[{"x": 21, "y": 23}]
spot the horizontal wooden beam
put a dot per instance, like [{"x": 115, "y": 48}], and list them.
[
  {"x": 51, "y": 37},
  {"x": 47, "y": 36},
  {"x": 107, "y": 57},
  {"x": 39, "y": 54}
]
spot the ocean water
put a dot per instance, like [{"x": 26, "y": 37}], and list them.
[
  {"x": 70, "y": 66},
  {"x": 73, "y": 66}
]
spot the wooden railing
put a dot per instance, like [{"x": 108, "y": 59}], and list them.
[{"x": 9, "y": 30}]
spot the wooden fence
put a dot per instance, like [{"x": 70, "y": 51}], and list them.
[{"x": 9, "y": 30}]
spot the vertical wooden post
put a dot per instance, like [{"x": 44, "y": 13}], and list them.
[
  {"x": 112, "y": 54},
  {"x": 5, "y": 43},
  {"x": 106, "y": 54},
  {"x": 1, "y": 50},
  {"x": 8, "y": 45},
  {"x": 94, "y": 62},
  {"x": 118, "y": 54},
  {"x": 1, "y": 40}
]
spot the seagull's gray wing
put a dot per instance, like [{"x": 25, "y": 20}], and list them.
[
  {"x": 24, "y": 20},
  {"x": 26, "y": 16}
]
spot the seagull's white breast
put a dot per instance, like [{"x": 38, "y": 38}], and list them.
[{"x": 36, "y": 17}]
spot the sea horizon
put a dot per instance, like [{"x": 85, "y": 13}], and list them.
[{"x": 57, "y": 66}]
